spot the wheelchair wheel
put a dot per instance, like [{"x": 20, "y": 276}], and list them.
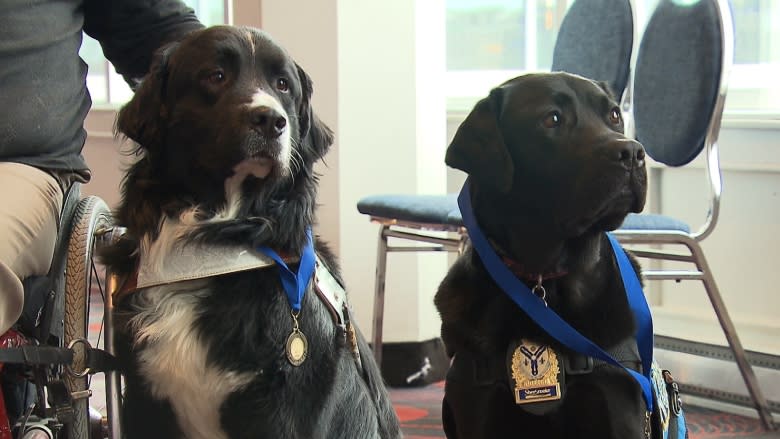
[{"x": 91, "y": 216}]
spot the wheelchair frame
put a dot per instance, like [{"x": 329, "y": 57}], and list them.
[{"x": 56, "y": 349}]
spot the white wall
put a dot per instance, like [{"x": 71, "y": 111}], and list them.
[
  {"x": 742, "y": 252},
  {"x": 102, "y": 153},
  {"x": 392, "y": 139}
]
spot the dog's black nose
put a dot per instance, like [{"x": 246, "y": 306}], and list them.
[
  {"x": 268, "y": 121},
  {"x": 630, "y": 153}
]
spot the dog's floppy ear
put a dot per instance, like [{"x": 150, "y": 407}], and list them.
[
  {"x": 320, "y": 136},
  {"x": 143, "y": 118},
  {"x": 304, "y": 110},
  {"x": 478, "y": 147},
  {"x": 313, "y": 131}
]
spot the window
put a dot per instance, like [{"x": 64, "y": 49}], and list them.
[
  {"x": 489, "y": 41},
  {"x": 502, "y": 34},
  {"x": 754, "y": 86},
  {"x": 105, "y": 85}
]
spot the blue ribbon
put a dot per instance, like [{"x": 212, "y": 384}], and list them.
[
  {"x": 638, "y": 304},
  {"x": 547, "y": 319},
  {"x": 295, "y": 285}
]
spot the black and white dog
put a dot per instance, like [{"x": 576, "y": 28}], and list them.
[{"x": 227, "y": 140}]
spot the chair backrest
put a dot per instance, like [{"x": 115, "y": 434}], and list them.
[
  {"x": 680, "y": 84},
  {"x": 679, "y": 74},
  {"x": 595, "y": 41}
]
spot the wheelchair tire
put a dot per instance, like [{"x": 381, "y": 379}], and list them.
[{"x": 91, "y": 215}]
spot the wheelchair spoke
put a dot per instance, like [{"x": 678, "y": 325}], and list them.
[{"x": 96, "y": 276}]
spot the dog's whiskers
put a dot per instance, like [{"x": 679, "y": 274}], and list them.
[{"x": 296, "y": 159}]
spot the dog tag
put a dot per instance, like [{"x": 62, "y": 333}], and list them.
[
  {"x": 537, "y": 376},
  {"x": 297, "y": 347}
]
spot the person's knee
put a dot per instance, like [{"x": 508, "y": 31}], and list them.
[
  {"x": 30, "y": 227},
  {"x": 11, "y": 297}
]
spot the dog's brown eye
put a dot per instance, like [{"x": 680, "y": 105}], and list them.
[
  {"x": 216, "y": 77},
  {"x": 282, "y": 85},
  {"x": 614, "y": 115},
  {"x": 552, "y": 120}
]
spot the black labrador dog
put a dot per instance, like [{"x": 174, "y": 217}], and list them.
[{"x": 550, "y": 173}]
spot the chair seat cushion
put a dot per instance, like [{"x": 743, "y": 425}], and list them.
[
  {"x": 443, "y": 209},
  {"x": 649, "y": 221},
  {"x": 428, "y": 209}
]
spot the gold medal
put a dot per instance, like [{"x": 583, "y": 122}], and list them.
[
  {"x": 297, "y": 346},
  {"x": 536, "y": 373}
]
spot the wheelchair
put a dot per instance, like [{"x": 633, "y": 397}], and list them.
[{"x": 47, "y": 360}]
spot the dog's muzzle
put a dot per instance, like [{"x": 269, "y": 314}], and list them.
[
  {"x": 629, "y": 153},
  {"x": 267, "y": 121}
]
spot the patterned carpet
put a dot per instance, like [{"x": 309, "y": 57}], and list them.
[{"x": 420, "y": 413}]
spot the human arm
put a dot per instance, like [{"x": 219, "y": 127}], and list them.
[{"x": 130, "y": 31}]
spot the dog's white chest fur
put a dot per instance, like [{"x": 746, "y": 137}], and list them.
[{"x": 173, "y": 360}]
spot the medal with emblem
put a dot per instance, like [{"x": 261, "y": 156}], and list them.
[
  {"x": 536, "y": 374},
  {"x": 297, "y": 346},
  {"x": 295, "y": 285}
]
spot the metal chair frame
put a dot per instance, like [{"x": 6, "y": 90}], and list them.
[
  {"x": 389, "y": 228},
  {"x": 692, "y": 241}
]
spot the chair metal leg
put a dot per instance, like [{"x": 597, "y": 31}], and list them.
[
  {"x": 733, "y": 339},
  {"x": 379, "y": 293}
]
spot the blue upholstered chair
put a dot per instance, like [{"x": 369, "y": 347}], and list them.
[
  {"x": 679, "y": 90},
  {"x": 595, "y": 41}
]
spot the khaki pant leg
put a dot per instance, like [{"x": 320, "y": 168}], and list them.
[{"x": 30, "y": 204}]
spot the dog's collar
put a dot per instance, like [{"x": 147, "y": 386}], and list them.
[{"x": 519, "y": 271}]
